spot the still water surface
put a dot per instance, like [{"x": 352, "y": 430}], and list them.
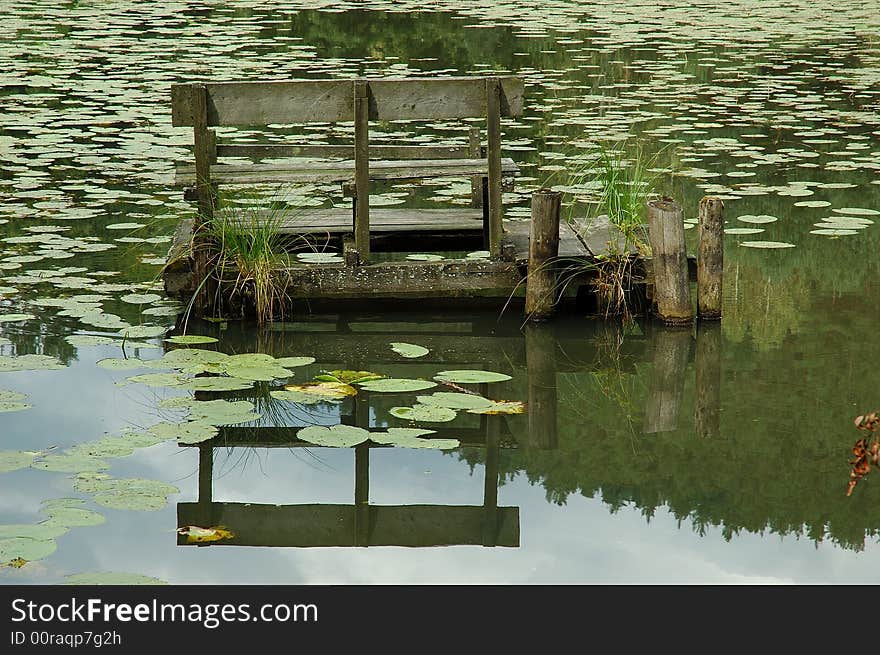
[{"x": 645, "y": 456}]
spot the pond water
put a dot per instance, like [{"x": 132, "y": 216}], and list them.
[{"x": 645, "y": 455}]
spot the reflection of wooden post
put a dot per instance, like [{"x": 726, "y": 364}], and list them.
[
  {"x": 671, "y": 350},
  {"x": 710, "y": 260},
  {"x": 475, "y": 152},
  {"x": 490, "y": 481},
  {"x": 206, "y": 474},
  {"x": 707, "y": 406},
  {"x": 543, "y": 250},
  {"x": 541, "y": 371},
  {"x": 672, "y": 287},
  {"x": 362, "y": 494}
]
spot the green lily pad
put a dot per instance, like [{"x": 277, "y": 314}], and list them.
[
  {"x": 857, "y": 211},
  {"x": 337, "y": 436},
  {"x": 426, "y": 413},
  {"x": 29, "y": 363},
  {"x": 324, "y": 390},
  {"x": 73, "y": 517},
  {"x": 834, "y": 232},
  {"x": 410, "y": 438},
  {"x": 118, "y": 364},
  {"x": 265, "y": 373},
  {"x": 160, "y": 379},
  {"x": 141, "y": 439},
  {"x": 140, "y": 298},
  {"x": 349, "y": 377},
  {"x": 111, "y": 578},
  {"x": 26, "y": 549},
  {"x": 409, "y": 350},
  {"x": 13, "y": 460},
  {"x": 42, "y": 531},
  {"x": 471, "y": 377},
  {"x": 217, "y": 384},
  {"x": 70, "y": 463},
  {"x": 90, "y": 340},
  {"x": 767, "y": 244},
  {"x": 131, "y": 501},
  {"x": 188, "y": 433},
  {"x": 320, "y": 258},
  {"x": 455, "y": 400},
  {"x": 223, "y": 412},
  {"x": 106, "y": 447},
  {"x": 761, "y": 219},
  {"x": 743, "y": 230},
  {"x": 142, "y": 331},
  {"x": 293, "y": 362},
  {"x": 124, "y": 226},
  {"x": 425, "y": 257},
  {"x": 14, "y": 318},
  {"x": 396, "y": 385},
  {"x": 500, "y": 407},
  {"x": 303, "y": 398},
  {"x": 190, "y": 339},
  {"x": 12, "y": 401}
]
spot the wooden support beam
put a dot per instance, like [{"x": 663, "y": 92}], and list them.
[
  {"x": 672, "y": 294},
  {"x": 475, "y": 152},
  {"x": 542, "y": 404},
  {"x": 493, "y": 137},
  {"x": 543, "y": 250},
  {"x": 205, "y": 193},
  {"x": 362, "y": 169},
  {"x": 710, "y": 260}
]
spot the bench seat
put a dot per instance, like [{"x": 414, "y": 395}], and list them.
[{"x": 342, "y": 171}]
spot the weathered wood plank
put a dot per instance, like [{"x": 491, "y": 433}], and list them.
[
  {"x": 493, "y": 96},
  {"x": 281, "y": 151},
  {"x": 325, "y": 101},
  {"x": 343, "y": 171},
  {"x": 386, "y": 219},
  {"x": 362, "y": 170},
  {"x": 305, "y": 526},
  {"x": 457, "y": 278}
]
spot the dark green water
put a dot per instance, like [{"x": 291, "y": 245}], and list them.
[{"x": 645, "y": 456}]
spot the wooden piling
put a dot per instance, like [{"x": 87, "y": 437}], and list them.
[
  {"x": 671, "y": 353},
  {"x": 543, "y": 249},
  {"x": 475, "y": 151},
  {"x": 672, "y": 295},
  {"x": 710, "y": 259},
  {"x": 362, "y": 169},
  {"x": 707, "y": 403},
  {"x": 203, "y": 144},
  {"x": 542, "y": 398}
]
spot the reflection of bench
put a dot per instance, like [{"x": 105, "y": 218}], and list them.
[{"x": 356, "y": 165}]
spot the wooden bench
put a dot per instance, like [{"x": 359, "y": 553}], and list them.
[{"x": 203, "y": 106}]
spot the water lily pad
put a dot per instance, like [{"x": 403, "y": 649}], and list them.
[
  {"x": 70, "y": 463},
  {"x": 42, "y": 531},
  {"x": 256, "y": 373},
  {"x": 90, "y": 340},
  {"x": 396, "y": 435},
  {"x": 217, "y": 384},
  {"x": 324, "y": 390},
  {"x": 301, "y": 397},
  {"x": 14, "y": 318},
  {"x": 425, "y": 257},
  {"x": 124, "y": 226},
  {"x": 198, "y": 535},
  {"x": 187, "y": 433},
  {"x": 743, "y": 230},
  {"x": 763, "y": 218},
  {"x": 478, "y": 254},
  {"x": 142, "y": 331},
  {"x": 140, "y": 298},
  {"x": 349, "y": 377},
  {"x": 320, "y": 258},
  {"x": 106, "y": 447},
  {"x": 337, "y": 436},
  {"x": 834, "y": 232},
  {"x": 141, "y": 439},
  {"x": 500, "y": 407},
  {"x": 13, "y": 460},
  {"x": 455, "y": 400},
  {"x": 160, "y": 379},
  {"x": 223, "y": 412},
  {"x": 111, "y": 578},
  {"x": 12, "y": 401},
  {"x": 766, "y": 244},
  {"x": 190, "y": 339},
  {"x": 293, "y": 362},
  {"x": 73, "y": 517},
  {"x": 29, "y": 363},
  {"x": 118, "y": 364},
  {"x": 26, "y": 549},
  {"x": 409, "y": 350},
  {"x": 131, "y": 501},
  {"x": 857, "y": 211},
  {"x": 426, "y": 413},
  {"x": 471, "y": 377},
  {"x": 397, "y": 385}
]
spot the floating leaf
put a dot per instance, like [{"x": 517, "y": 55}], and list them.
[
  {"x": 41, "y": 531},
  {"x": 12, "y": 401},
  {"x": 420, "y": 257},
  {"x": 455, "y": 400},
  {"x": 190, "y": 339},
  {"x": 159, "y": 379},
  {"x": 471, "y": 377},
  {"x": 500, "y": 407},
  {"x": 124, "y": 226},
  {"x": 187, "y": 433},
  {"x": 73, "y": 517},
  {"x": 323, "y": 389},
  {"x": 763, "y": 218},
  {"x": 26, "y": 549},
  {"x": 834, "y": 232},
  {"x": 301, "y": 397},
  {"x": 111, "y": 578},
  {"x": 131, "y": 501},
  {"x": 857, "y": 211},
  {"x": 217, "y": 384},
  {"x": 396, "y": 385},
  {"x": 14, "y": 318},
  {"x": 427, "y": 413},
  {"x": 265, "y": 373},
  {"x": 223, "y": 412},
  {"x": 106, "y": 447},
  {"x": 337, "y": 436},
  {"x": 409, "y": 438},
  {"x": 409, "y": 350},
  {"x": 13, "y": 460},
  {"x": 29, "y": 363},
  {"x": 140, "y": 299},
  {"x": 293, "y": 362},
  {"x": 142, "y": 331},
  {"x": 117, "y": 364},
  {"x": 767, "y": 244},
  {"x": 743, "y": 230},
  {"x": 196, "y": 535},
  {"x": 349, "y": 377},
  {"x": 70, "y": 463}
]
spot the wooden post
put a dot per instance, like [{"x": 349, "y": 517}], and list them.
[
  {"x": 671, "y": 352},
  {"x": 362, "y": 494},
  {"x": 490, "y": 481},
  {"x": 707, "y": 405},
  {"x": 710, "y": 260},
  {"x": 206, "y": 474},
  {"x": 543, "y": 249},
  {"x": 203, "y": 147},
  {"x": 493, "y": 139},
  {"x": 475, "y": 152},
  {"x": 672, "y": 289},
  {"x": 362, "y": 169},
  {"x": 542, "y": 400}
]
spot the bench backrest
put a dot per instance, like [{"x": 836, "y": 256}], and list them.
[{"x": 327, "y": 101}]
